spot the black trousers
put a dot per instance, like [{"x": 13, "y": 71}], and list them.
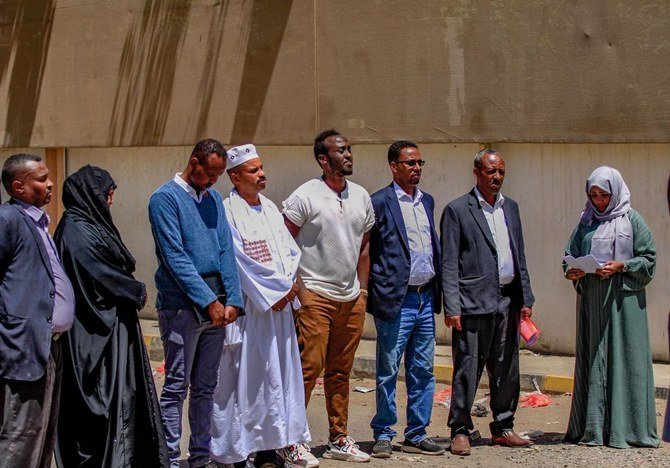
[
  {"x": 29, "y": 416},
  {"x": 490, "y": 340}
]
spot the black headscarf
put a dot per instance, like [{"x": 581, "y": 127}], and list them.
[{"x": 85, "y": 196}]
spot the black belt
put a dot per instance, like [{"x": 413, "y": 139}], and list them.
[{"x": 420, "y": 288}]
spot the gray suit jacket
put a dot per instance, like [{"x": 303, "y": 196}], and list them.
[
  {"x": 26, "y": 297},
  {"x": 470, "y": 280}
]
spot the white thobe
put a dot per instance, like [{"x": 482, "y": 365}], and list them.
[{"x": 259, "y": 402}]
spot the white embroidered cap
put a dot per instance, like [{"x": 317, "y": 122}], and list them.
[{"x": 241, "y": 154}]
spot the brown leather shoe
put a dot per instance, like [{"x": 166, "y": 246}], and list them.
[
  {"x": 510, "y": 438},
  {"x": 460, "y": 445}
]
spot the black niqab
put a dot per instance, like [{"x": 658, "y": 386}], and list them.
[
  {"x": 108, "y": 394},
  {"x": 85, "y": 197}
]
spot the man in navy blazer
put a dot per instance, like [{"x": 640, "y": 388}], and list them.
[
  {"x": 404, "y": 293},
  {"x": 36, "y": 306},
  {"x": 486, "y": 290}
]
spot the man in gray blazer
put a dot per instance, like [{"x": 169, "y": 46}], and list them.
[
  {"x": 486, "y": 290},
  {"x": 36, "y": 307}
]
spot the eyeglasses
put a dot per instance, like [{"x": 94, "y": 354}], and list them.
[{"x": 412, "y": 162}]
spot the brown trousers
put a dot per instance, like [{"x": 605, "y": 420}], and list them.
[{"x": 328, "y": 335}]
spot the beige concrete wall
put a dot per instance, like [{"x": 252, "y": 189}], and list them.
[
  {"x": 170, "y": 72},
  {"x": 546, "y": 179}
]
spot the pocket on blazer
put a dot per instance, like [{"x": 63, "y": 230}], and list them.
[
  {"x": 12, "y": 326},
  {"x": 470, "y": 284}
]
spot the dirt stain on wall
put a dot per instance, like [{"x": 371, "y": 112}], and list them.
[{"x": 25, "y": 33}]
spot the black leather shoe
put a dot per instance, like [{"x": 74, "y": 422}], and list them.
[{"x": 425, "y": 447}]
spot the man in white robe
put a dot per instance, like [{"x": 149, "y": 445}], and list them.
[{"x": 259, "y": 402}]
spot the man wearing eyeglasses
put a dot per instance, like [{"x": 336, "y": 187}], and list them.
[
  {"x": 195, "y": 256},
  {"x": 405, "y": 293}
]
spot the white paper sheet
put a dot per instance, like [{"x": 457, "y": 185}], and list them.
[{"x": 587, "y": 263}]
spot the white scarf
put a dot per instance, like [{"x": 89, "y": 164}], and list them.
[
  {"x": 262, "y": 285},
  {"x": 613, "y": 239}
]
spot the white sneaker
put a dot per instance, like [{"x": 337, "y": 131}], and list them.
[
  {"x": 292, "y": 457},
  {"x": 306, "y": 454},
  {"x": 346, "y": 450}
]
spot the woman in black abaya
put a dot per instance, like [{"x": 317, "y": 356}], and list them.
[{"x": 109, "y": 413}]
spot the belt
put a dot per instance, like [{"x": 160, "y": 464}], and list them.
[
  {"x": 420, "y": 288},
  {"x": 56, "y": 336}
]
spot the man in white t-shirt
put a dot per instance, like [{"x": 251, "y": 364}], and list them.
[{"x": 331, "y": 219}]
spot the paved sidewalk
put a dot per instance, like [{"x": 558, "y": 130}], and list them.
[{"x": 551, "y": 374}]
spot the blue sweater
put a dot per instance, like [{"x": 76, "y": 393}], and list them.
[{"x": 192, "y": 240}]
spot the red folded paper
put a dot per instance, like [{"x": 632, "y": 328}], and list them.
[{"x": 529, "y": 331}]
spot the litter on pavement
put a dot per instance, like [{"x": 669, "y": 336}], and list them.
[
  {"x": 362, "y": 389},
  {"x": 443, "y": 397},
  {"x": 535, "y": 400}
]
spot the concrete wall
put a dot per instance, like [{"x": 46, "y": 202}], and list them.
[
  {"x": 546, "y": 179},
  {"x": 168, "y": 72}
]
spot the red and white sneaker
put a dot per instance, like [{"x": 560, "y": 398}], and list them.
[
  {"x": 345, "y": 449},
  {"x": 306, "y": 454},
  {"x": 292, "y": 457}
]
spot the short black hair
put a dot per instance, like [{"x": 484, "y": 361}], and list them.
[
  {"x": 14, "y": 166},
  {"x": 397, "y": 147},
  {"x": 319, "y": 146},
  {"x": 206, "y": 147}
]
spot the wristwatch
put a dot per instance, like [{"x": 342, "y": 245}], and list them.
[{"x": 625, "y": 267}]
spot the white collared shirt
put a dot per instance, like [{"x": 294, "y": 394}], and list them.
[
  {"x": 417, "y": 227},
  {"x": 190, "y": 190},
  {"x": 495, "y": 217}
]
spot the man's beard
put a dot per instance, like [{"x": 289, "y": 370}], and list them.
[{"x": 342, "y": 170}]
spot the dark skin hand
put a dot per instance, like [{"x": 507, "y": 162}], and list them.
[
  {"x": 281, "y": 303},
  {"x": 609, "y": 269},
  {"x": 222, "y": 315},
  {"x": 575, "y": 274}
]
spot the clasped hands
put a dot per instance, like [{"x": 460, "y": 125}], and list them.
[
  {"x": 611, "y": 267},
  {"x": 222, "y": 315},
  {"x": 281, "y": 303}
]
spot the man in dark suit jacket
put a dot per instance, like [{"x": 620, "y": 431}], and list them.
[
  {"x": 486, "y": 290},
  {"x": 36, "y": 306},
  {"x": 404, "y": 293}
]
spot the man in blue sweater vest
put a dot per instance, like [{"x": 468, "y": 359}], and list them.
[{"x": 193, "y": 242}]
